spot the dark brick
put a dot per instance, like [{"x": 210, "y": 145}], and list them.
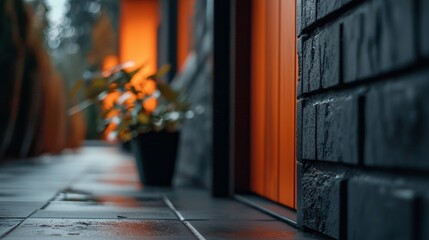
[
  {"x": 300, "y": 77},
  {"x": 321, "y": 60},
  {"x": 330, "y": 56},
  {"x": 424, "y": 21},
  {"x": 338, "y": 130},
  {"x": 299, "y": 87},
  {"x": 321, "y": 198},
  {"x": 325, "y": 7},
  {"x": 299, "y": 124},
  {"x": 397, "y": 43},
  {"x": 358, "y": 58},
  {"x": 377, "y": 210},
  {"x": 299, "y": 17},
  {"x": 311, "y": 65},
  {"x": 397, "y": 123},
  {"x": 309, "y": 132},
  {"x": 378, "y": 37},
  {"x": 308, "y": 12}
]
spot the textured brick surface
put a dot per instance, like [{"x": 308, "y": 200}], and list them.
[
  {"x": 308, "y": 12},
  {"x": 364, "y": 103},
  {"x": 330, "y": 56},
  {"x": 324, "y": 7},
  {"x": 359, "y": 53},
  {"x": 379, "y": 37},
  {"x": 377, "y": 211},
  {"x": 338, "y": 130},
  {"x": 309, "y": 132},
  {"x": 299, "y": 123},
  {"x": 397, "y": 36},
  {"x": 299, "y": 48},
  {"x": 321, "y": 199},
  {"x": 311, "y": 65},
  {"x": 299, "y": 16},
  {"x": 397, "y": 117},
  {"x": 321, "y": 60}
]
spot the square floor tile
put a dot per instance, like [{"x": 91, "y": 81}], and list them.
[
  {"x": 100, "y": 229},
  {"x": 105, "y": 203},
  {"x": 242, "y": 213},
  {"x": 151, "y": 213},
  {"x": 7, "y": 224},
  {"x": 18, "y": 209},
  {"x": 30, "y": 195},
  {"x": 248, "y": 230}
]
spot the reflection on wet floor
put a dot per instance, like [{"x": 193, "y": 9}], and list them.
[{"x": 95, "y": 194}]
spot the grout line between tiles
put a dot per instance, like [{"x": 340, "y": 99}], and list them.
[
  {"x": 17, "y": 225},
  {"x": 182, "y": 219}
]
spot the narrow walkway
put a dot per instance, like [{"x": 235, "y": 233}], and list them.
[{"x": 95, "y": 195}]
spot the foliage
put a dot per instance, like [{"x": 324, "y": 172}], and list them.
[{"x": 133, "y": 103}]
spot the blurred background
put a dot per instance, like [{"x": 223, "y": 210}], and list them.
[{"x": 51, "y": 44}]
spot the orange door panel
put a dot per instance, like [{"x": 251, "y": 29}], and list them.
[
  {"x": 273, "y": 100},
  {"x": 258, "y": 75},
  {"x": 287, "y": 162}
]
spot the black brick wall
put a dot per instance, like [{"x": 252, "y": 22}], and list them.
[{"x": 363, "y": 118}]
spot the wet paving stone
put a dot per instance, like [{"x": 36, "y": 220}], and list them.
[
  {"x": 7, "y": 224},
  {"x": 143, "y": 213},
  {"x": 18, "y": 209},
  {"x": 248, "y": 230},
  {"x": 100, "y": 229},
  {"x": 241, "y": 213},
  {"x": 106, "y": 202},
  {"x": 26, "y": 195},
  {"x": 95, "y": 194}
]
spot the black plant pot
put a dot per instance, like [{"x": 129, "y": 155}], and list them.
[{"x": 155, "y": 154}]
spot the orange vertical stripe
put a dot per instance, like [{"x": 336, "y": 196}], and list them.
[
  {"x": 184, "y": 30},
  {"x": 138, "y": 33},
  {"x": 287, "y": 138},
  {"x": 258, "y": 82},
  {"x": 272, "y": 104}
]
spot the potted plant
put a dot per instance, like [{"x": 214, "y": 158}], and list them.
[{"x": 141, "y": 109}]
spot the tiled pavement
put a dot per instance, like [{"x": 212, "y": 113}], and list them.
[{"x": 94, "y": 194}]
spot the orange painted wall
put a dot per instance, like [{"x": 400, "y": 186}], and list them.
[
  {"x": 273, "y": 99},
  {"x": 139, "y": 22},
  {"x": 184, "y": 30}
]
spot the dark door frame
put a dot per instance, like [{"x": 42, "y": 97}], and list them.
[{"x": 231, "y": 97}]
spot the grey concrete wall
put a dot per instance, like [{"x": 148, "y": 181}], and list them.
[{"x": 363, "y": 118}]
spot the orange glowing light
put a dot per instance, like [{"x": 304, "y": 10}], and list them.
[
  {"x": 184, "y": 27},
  {"x": 138, "y": 33}
]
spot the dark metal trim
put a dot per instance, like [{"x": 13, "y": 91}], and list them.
[
  {"x": 258, "y": 203},
  {"x": 240, "y": 94},
  {"x": 222, "y": 79}
]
